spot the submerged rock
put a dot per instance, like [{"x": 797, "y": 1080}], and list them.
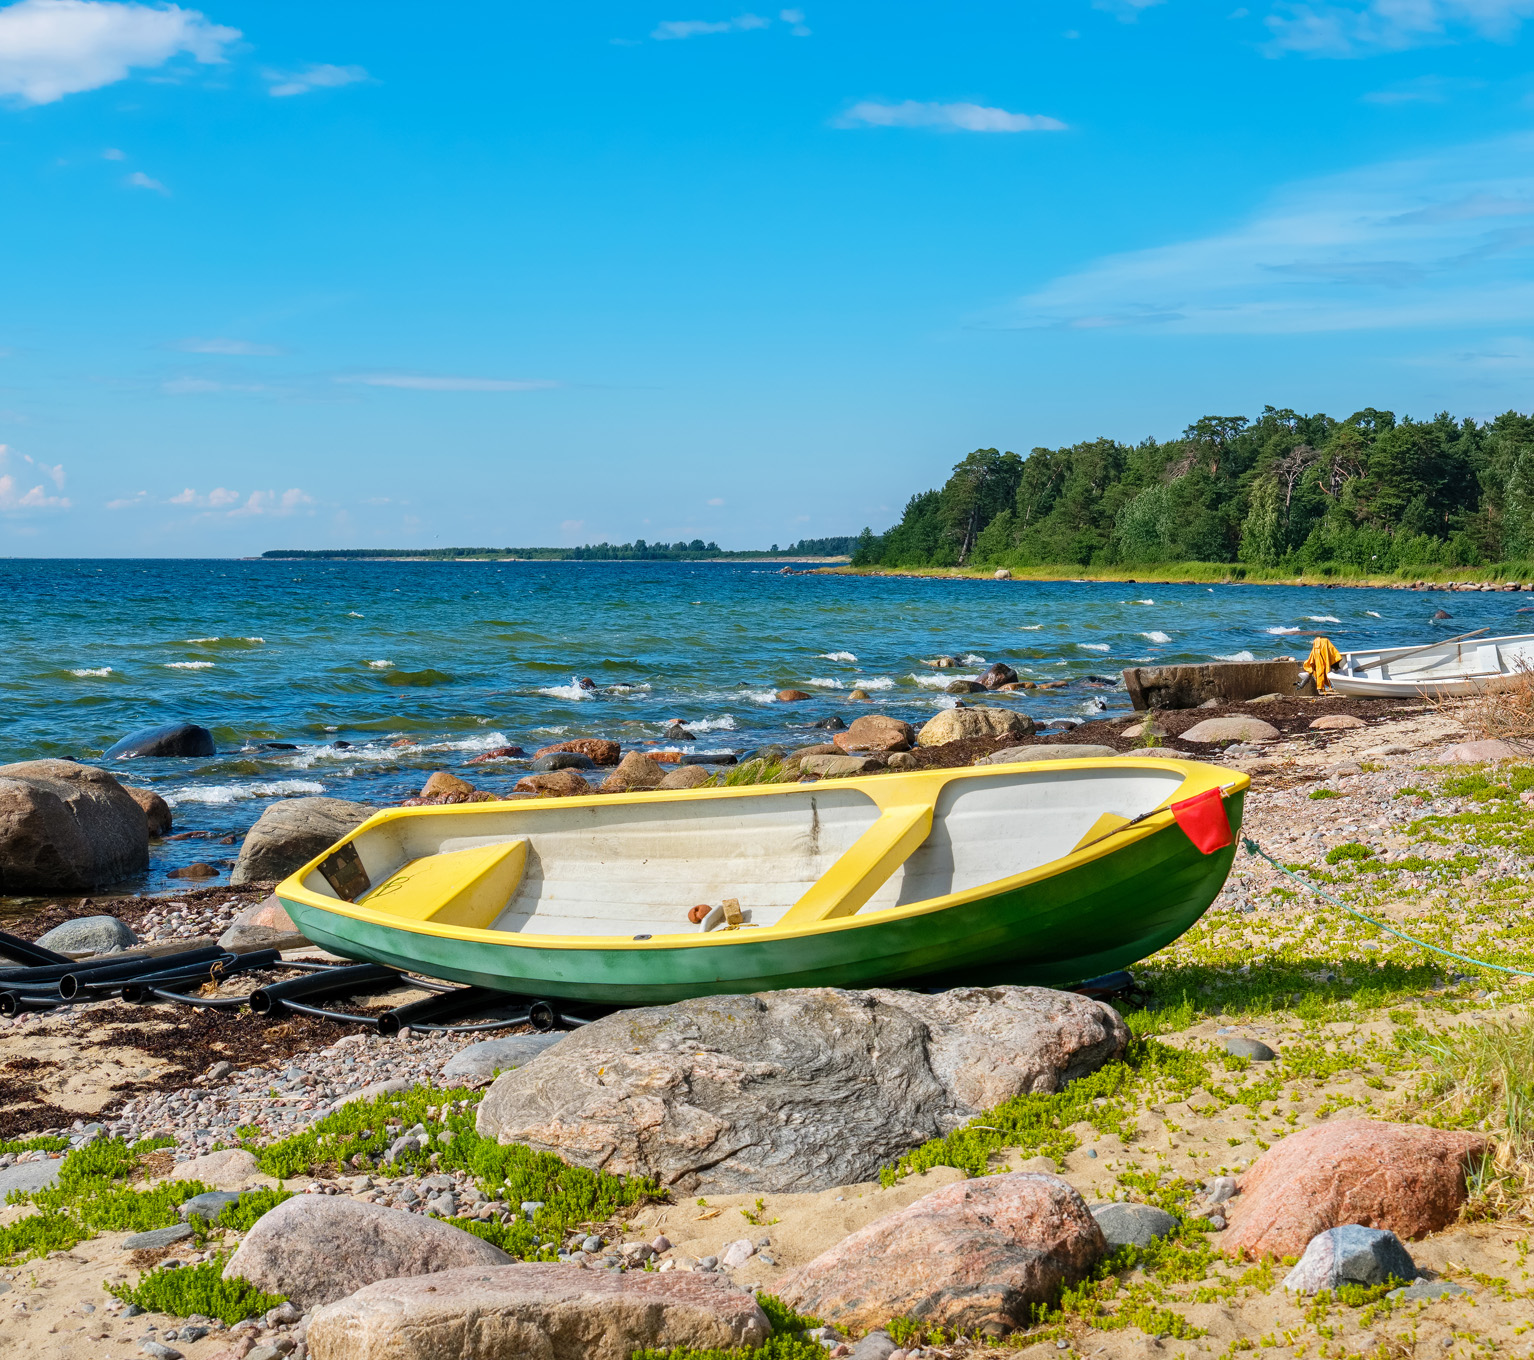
[
  {"x": 793, "y": 1090},
  {"x": 978, "y": 1255},
  {"x": 544, "y": 1309},
  {"x": 292, "y": 832},
  {"x": 555, "y": 784},
  {"x": 596, "y": 749},
  {"x": 175, "y": 739},
  {"x": 563, "y": 760},
  {"x": 997, "y": 674},
  {"x": 67, "y": 828},
  {"x": 635, "y": 771}
]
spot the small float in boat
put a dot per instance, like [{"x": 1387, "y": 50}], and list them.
[
  {"x": 1035, "y": 873},
  {"x": 1468, "y": 664}
]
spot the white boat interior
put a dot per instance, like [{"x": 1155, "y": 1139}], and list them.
[
  {"x": 1455, "y": 666},
  {"x": 617, "y": 868}
]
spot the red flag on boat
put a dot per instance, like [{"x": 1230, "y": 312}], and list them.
[{"x": 1203, "y": 818}]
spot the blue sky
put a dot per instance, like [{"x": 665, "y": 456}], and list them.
[{"x": 282, "y": 275}]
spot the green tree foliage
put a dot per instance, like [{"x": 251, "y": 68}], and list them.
[{"x": 1284, "y": 490}]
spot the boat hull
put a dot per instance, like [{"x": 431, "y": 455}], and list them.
[{"x": 1097, "y": 914}]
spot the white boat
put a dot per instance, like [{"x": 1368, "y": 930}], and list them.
[{"x": 1469, "y": 664}]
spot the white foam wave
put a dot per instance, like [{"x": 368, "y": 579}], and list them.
[
  {"x": 1237, "y": 656},
  {"x": 380, "y": 665},
  {"x": 825, "y": 682},
  {"x": 1139, "y": 602},
  {"x": 1280, "y": 632},
  {"x": 235, "y": 793},
  {"x": 836, "y": 656},
  {"x": 760, "y": 696},
  {"x": 970, "y": 659},
  {"x": 189, "y": 665},
  {"x": 874, "y": 682},
  {"x": 1323, "y": 618},
  {"x": 722, "y": 724},
  {"x": 353, "y": 614},
  {"x": 207, "y": 639},
  {"x": 85, "y": 671},
  {"x": 1372, "y": 614},
  {"x": 1029, "y": 627},
  {"x": 574, "y": 690},
  {"x": 1093, "y": 646},
  {"x": 941, "y": 681},
  {"x": 1156, "y": 635}
]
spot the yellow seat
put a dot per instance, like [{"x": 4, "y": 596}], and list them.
[{"x": 458, "y": 888}]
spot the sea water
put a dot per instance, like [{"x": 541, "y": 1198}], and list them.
[{"x": 376, "y": 673}]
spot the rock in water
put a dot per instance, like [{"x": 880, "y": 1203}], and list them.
[
  {"x": 1231, "y": 729},
  {"x": 89, "y": 935},
  {"x": 543, "y": 1309},
  {"x": 156, "y": 809},
  {"x": 794, "y": 1090},
  {"x": 292, "y": 832},
  {"x": 997, "y": 674},
  {"x": 687, "y": 777},
  {"x": 1404, "y": 1177},
  {"x": 176, "y": 739},
  {"x": 635, "y": 771},
  {"x": 957, "y": 724},
  {"x": 266, "y": 925},
  {"x": 67, "y": 828},
  {"x": 964, "y": 687},
  {"x": 441, "y": 784},
  {"x": 1132, "y": 1225},
  {"x": 1350, "y": 1254},
  {"x": 319, "y": 1248},
  {"x": 791, "y": 696},
  {"x": 596, "y": 749},
  {"x": 563, "y": 760},
  {"x": 555, "y": 784},
  {"x": 974, "y": 1255},
  {"x": 875, "y": 732},
  {"x": 839, "y": 767}
]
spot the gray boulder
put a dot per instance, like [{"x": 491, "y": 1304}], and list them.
[
  {"x": 158, "y": 1237},
  {"x": 29, "y": 1177},
  {"x": 543, "y": 1309},
  {"x": 292, "y": 832},
  {"x": 481, "y": 1061},
  {"x": 1132, "y": 1225},
  {"x": 791, "y": 1091},
  {"x": 563, "y": 760},
  {"x": 89, "y": 935},
  {"x": 1254, "y": 1049},
  {"x": 175, "y": 739},
  {"x": 264, "y": 925},
  {"x": 319, "y": 1248},
  {"x": 67, "y": 828},
  {"x": 1351, "y": 1254}
]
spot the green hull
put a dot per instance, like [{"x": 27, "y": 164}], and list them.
[{"x": 1090, "y": 918}]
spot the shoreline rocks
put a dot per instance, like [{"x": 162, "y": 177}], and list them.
[
  {"x": 292, "y": 832},
  {"x": 598, "y": 750},
  {"x": 156, "y": 810},
  {"x": 183, "y": 740},
  {"x": 67, "y": 828},
  {"x": 265, "y": 925},
  {"x": 960, "y": 724}
]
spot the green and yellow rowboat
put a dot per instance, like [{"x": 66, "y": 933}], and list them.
[{"x": 1044, "y": 873}]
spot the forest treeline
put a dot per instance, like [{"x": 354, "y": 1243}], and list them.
[
  {"x": 638, "y": 551},
  {"x": 1294, "y": 492}
]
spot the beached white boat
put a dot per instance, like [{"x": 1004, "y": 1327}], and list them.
[{"x": 1456, "y": 666}]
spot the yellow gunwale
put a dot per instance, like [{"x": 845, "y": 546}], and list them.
[{"x": 885, "y": 791}]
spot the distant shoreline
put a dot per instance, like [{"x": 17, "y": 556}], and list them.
[
  {"x": 1209, "y": 573},
  {"x": 721, "y": 560}
]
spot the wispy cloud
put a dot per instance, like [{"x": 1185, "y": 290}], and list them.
[
  {"x": 192, "y": 386},
  {"x": 1442, "y": 241},
  {"x": 672, "y": 30},
  {"x": 285, "y": 84},
  {"x": 51, "y": 48},
  {"x": 1126, "y": 11},
  {"x": 417, "y": 382},
  {"x": 219, "y": 344},
  {"x": 139, "y": 180},
  {"x": 1422, "y": 90},
  {"x": 1366, "y": 27},
  {"x": 234, "y": 504},
  {"x": 945, "y": 117},
  {"x": 133, "y": 502},
  {"x": 17, "y": 496},
  {"x": 113, "y": 154}
]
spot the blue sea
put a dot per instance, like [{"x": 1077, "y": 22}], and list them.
[{"x": 419, "y": 666}]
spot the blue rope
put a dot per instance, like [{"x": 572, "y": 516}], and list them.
[{"x": 1252, "y": 848}]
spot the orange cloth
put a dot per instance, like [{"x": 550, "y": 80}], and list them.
[{"x": 1322, "y": 660}]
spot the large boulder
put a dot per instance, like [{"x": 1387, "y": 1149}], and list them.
[
  {"x": 88, "y": 935},
  {"x": 67, "y": 828},
  {"x": 291, "y": 833},
  {"x": 1236, "y": 728},
  {"x": 635, "y": 771},
  {"x": 175, "y": 739},
  {"x": 876, "y": 732},
  {"x": 554, "y": 784},
  {"x": 263, "y": 925},
  {"x": 997, "y": 674},
  {"x": 542, "y": 1309},
  {"x": 597, "y": 749},
  {"x": 319, "y": 1248},
  {"x": 978, "y": 1255},
  {"x": 1404, "y": 1177},
  {"x": 795, "y": 1090},
  {"x": 959, "y": 724},
  {"x": 156, "y": 809}
]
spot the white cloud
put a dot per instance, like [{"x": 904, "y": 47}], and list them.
[
  {"x": 132, "y": 502},
  {"x": 1363, "y": 28},
  {"x": 234, "y": 505},
  {"x": 946, "y": 117},
  {"x": 223, "y": 345},
  {"x": 673, "y": 29},
  {"x": 424, "y": 383},
  {"x": 1447, "y": 240},
  {"x": 113, "y": 154},
  {"x": 717, "y": 501},
  {"x": 16, "y": 495},
  {"x": 139, "y": 180},
  {"x": 795, "y": 19},
  {"x": 220, "y": 498},
  {"x": 51, "y": 48},
  {"x": 324, "y": 76}
]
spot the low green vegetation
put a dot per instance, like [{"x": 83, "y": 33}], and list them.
[
  {"x": 785, "y": 1343},
  {"x": 182, "y": 1291}
]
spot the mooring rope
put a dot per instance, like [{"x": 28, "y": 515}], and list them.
[{"x": 1252, "y": 848}]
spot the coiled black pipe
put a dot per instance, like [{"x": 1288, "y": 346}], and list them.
[
  {"x": 140, "y": 991},
  {"x": 14, "y": 1003},
  {"x": 25, "y": 952},
  {"x": 361, "y": 978},
  {"x": 80, "y": 977},
  {"x": 447, "y": 1006}
]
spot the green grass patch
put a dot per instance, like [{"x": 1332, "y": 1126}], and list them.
[
  {"x": 1318, "y": 794},
  {"x": 38, "y": 1234},
  {"x": 15, "y": 1145},
  {"x": 184, "y": 1290},
  {"x": 1348, "y": 850},
  {"x": 243, "y": 1213}
]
